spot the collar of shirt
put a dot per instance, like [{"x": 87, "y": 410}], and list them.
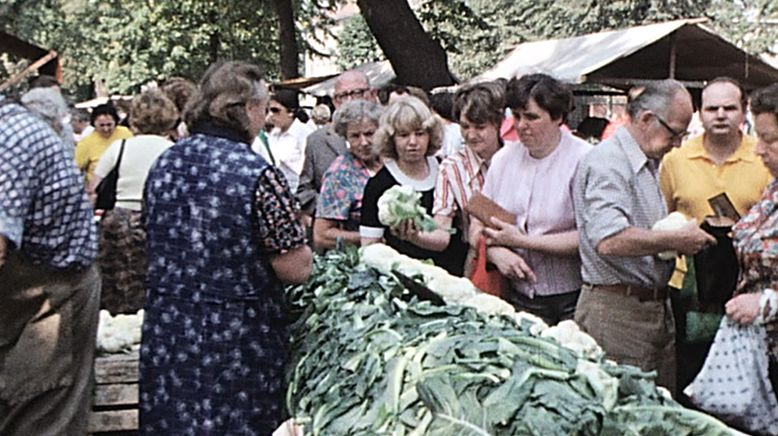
[
  {"x": 635, "y": 155},
  {"x": 297, "y": 128},
  {"x": 744, "y": 152},
  {"x": 475, "y": 166}
]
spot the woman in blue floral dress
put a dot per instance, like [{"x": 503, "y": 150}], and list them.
[
  {"x": 339, "y": 207},
  {"x": 223, "y": 234}
]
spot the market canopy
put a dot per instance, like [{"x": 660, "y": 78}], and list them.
[{"x": 686, "y": 50}]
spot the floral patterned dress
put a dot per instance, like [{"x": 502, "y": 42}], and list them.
[
  {"x": 340, "y": 198},
  {"x": 756, "y": 242},
  {"x": 215, "y": 333}
]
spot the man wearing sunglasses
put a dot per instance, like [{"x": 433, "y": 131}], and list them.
[
  {"x": 721, "y": 160},
  {"x": 624, "y": 303},
  {"x": 324, "y": 145}
]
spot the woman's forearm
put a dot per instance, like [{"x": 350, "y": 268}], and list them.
[
  {"x": 326, "y": 234},
  {"x": 436, "y": 240},
  {"x": 559, "y": 244}
]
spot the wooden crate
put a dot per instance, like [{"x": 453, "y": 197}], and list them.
[{"x": 115, "y": 407}]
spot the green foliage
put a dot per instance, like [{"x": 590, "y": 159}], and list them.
[
  {"x": 476, "y": 33},
  {"x": 356, "y": 45},
  {"x": 124, "y": 44}
]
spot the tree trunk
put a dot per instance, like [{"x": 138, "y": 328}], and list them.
[
  {"x": 417, "y": 59},
  {"x": 286, "y": 36}
]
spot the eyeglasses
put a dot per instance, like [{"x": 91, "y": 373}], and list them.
[
  {"x": 274, "y": 110},
  {"x": 356, "y": 93},
  {"x": 675, "y": 134}
]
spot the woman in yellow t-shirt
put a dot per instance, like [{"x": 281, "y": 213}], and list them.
[{"x": 104, "y": 118}]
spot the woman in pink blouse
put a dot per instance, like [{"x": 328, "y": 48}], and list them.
[
  {"x": 533, "y": 179},
  {"x": 756, "y": 237}
]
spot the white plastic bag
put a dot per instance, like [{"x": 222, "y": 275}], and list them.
[{"x": 734, "y": 384}]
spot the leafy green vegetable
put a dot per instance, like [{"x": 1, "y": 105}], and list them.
[{"x": 370, "y": 358}]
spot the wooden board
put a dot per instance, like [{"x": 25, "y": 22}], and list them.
[
  {"x": 117, "y": 368},
  {"x": 113, "y": 420},
  {"x": 115, "y": 405}
]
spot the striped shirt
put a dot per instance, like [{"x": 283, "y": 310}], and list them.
[
  {"x": 460, "y": 175},
  {"x": 617, "y": 187},
  {"x": 540, "y": 193}
]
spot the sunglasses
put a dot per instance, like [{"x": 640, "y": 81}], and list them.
[
  {"x": 274, "y": 110},
  {"x": 675, "y": 133}
]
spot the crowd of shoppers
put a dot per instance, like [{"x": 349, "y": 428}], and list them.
[{"x": 223, "y": 187}]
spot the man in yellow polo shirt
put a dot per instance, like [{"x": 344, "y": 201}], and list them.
[
  {"x": 721, "y": 160},
  {"x": 104, "y": 119}
]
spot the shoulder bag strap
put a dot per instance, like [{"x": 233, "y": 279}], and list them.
[{"x": 119, "y": 160}]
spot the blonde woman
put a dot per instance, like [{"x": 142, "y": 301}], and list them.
[{"x": 408, "y": 136}]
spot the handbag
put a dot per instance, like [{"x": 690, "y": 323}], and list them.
[
  {"x": 106, "y": 190},
  {"x": 734, "y": 382},
  {"x": 485, "y": 276}
]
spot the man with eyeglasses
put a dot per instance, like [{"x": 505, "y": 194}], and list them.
[
  {"x": 624, "y": 303},
  {"x": 324, "y": 145},
  {"x": 721, "y": 160}
]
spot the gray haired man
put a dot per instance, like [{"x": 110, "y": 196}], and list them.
[{"x": 624, "y": 303}]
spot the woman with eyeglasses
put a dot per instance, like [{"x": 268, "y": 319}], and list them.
[
  {"x": 533, "y": 179},
  {"x": 285, "y": 146}
]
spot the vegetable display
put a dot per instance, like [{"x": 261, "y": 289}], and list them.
[
  {"x": 400, "y": 203},
  {"x": 369, "y": 357}
]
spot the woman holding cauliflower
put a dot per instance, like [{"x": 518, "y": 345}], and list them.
[
  {"x": 533, "y": 179},
  {"x": 339, "y": 208},
  {"x": 408, "y": 136}
]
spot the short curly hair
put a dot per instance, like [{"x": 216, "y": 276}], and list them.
[
  {"x": 153, "y": 113},
  {"x": 355, "y": 111},
  {"x": 407, "y": 113}
]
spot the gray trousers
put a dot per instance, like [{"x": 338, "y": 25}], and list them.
[{"x": 48, "y": 324}]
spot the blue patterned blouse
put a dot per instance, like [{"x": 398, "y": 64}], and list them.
[{"x": 215, "y": 332}]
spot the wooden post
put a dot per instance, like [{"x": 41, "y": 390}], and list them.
[{"x": 673, "y": 55}]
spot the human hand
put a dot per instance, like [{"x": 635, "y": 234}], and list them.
[
  {"x": 406, "y": 231},
  {"x": 744, "y": 308},
  {"x": 504, "y": 234},
  {"x": 690, "y": 239},
  {"x": 306, "y": 220},
  {"x": 510, "y": 264}
]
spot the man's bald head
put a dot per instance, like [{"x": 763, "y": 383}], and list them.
[{"x": 352, "y": 85}]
